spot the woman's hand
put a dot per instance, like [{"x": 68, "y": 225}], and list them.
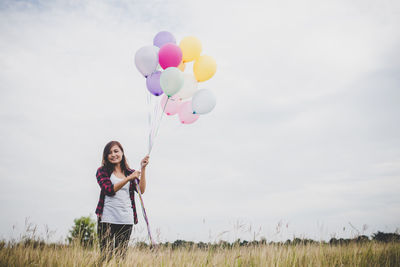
[
  {"x": 133, "y": 176},
  {"x": 144, "y": 162}
]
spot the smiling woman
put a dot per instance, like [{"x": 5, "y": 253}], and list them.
[{"x": 116, "y": 210}]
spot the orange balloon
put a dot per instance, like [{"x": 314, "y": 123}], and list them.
[{"x": 182, "y": 66}]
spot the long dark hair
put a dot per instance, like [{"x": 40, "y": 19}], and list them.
[{"x": 108, "y": 165}]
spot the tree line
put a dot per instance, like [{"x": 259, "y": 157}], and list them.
[
  {"x": 377, "y": 237},
  {"x": 84, "y": 232}
]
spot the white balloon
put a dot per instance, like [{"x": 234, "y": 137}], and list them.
[
  {"x": 189, "y": 86},
  {"x": 157, "y": 49},
  {"x": 171, "y": 81},
  {"x": 203, "y": 101},
  {"x": 146, "y": 59}
]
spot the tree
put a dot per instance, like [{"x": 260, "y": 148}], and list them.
[
  {"x": 386, "y": 237},
  {"x": 83, "y": 231}
]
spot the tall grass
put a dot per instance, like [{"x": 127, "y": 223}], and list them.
[{"x": 364, "y": 254}]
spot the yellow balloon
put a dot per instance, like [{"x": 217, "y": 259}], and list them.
[
  {"x": 204, "y": 68},
  {"x": 191, "y": 48},
  {"x": 182, "y": 66}
]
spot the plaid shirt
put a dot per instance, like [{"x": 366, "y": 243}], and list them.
[{"x": 107, "y": 188}]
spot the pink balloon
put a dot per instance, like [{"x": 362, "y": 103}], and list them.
[
  {"x": 186, "y": 115},
  {"x": 173, "y": 105},
  {"x": 170, "y": 55}
]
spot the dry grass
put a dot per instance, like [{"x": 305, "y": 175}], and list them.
[{"x": 366, "y": 254}]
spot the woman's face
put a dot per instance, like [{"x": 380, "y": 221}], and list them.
[{"x": 115, "y": 155}]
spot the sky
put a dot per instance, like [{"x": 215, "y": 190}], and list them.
[{"x": 304, "y": 140}]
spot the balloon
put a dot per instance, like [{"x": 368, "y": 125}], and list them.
[
  {"x": 203, "y": 101},
  {"x": 189, "y": 86},
  {"x": 182, "y": 66},
  {"x": 163, "y": 38},
  {"x": 173, "y": 105},
  {"x": 157, "y": 49},
  {"x": 186, "y": 115},
  {"x": 204, "y": 68},
  {"x": 170, "y": 55},
  {"x": 171, "y": 81},
  {"x": 153, "y": 83},
  {"x": 146, "y": 60},
  {"x": 191, "y": 48}
]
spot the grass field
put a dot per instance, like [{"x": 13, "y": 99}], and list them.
[{"x": 364, "y": 254}]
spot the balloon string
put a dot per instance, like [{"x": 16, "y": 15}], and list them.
[
  {"x": 156, "y": 112},
  {"x": 159, "y": 123},
  {"x": 144, "y": 212},
  {"x": 150, "y": 122},
  {"x": 154, "y": 108},
  {"x": 162, "y": 115},
  {"x": 149, "y": 117},
  {"x": 155, "y": 120},
  {"x": 151, "y": 125}
]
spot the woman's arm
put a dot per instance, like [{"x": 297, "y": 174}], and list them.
[
  {"x": 142, "y": 182},
  {"x": 121, "y": 184}
]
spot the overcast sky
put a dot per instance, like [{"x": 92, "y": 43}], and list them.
[{"x": 304, "y": 140}]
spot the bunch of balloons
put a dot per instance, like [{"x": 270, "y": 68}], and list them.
[{"x": 163, "y": 65}]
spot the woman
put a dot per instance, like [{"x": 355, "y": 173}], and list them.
[{"x": 116, "y": 211}]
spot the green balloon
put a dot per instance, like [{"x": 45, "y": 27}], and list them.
[{"x": 171, "y": 81}]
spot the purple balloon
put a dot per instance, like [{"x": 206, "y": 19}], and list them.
[
  {"x": 153, "y": 83},
  {"x": 163, "y": 38}
]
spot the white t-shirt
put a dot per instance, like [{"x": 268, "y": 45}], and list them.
[{"x": 118, "y": 208}]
